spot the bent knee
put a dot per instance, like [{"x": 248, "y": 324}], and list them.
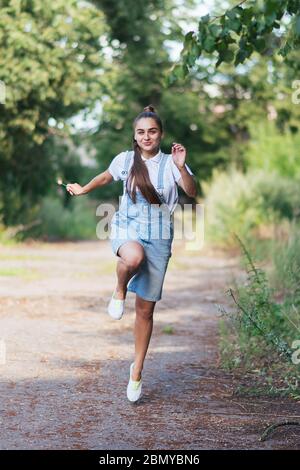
[
  {"x": 132, "y": 254},
  {"x": 134, "y": 258},
  {"x": 134, "y": 263}
]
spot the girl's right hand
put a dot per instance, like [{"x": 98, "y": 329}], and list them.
[{"x": 74, "y": 189}]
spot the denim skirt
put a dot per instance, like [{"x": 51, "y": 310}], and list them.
[{"x": 155, "y": 233}]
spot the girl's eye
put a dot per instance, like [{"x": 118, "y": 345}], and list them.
[{"x": 142, "y": 132}]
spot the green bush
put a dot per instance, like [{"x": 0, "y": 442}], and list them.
[
  {"x": 76, "y": 222},
  {"x": 286, "y": 273},
  {"x": 271, "y": 150},
  {"x": 242, "y": 203},
  {"x": 259, "y": 333}
]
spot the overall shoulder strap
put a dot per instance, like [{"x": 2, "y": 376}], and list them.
[
  {"x": 129, "y": 154},
  {"x": 125, "y": 171},
  {"x": 161, "y": 170}
]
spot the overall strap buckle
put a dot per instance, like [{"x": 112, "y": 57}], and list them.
[{"x": 160, "y": 177}]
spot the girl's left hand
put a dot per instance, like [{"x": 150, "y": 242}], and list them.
[{"x": 178, "y": 154}]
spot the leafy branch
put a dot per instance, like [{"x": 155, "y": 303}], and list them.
[{"x": 233, "y": 36}]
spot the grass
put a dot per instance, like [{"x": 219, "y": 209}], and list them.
[
  {"x": 99, "y": 270},
  {"x": 6, "y": 241},
  {"x": 175, "y": 265},
  {"x": 25, "y": 274},
  {"x": 168, "y": 330},
  {"x": 259, "y": 333},
  {"x": 108, "y": 267},
  {"x": 12, "y": 257}
]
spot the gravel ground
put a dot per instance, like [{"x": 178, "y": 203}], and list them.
[{"x": 63, "y": 385}]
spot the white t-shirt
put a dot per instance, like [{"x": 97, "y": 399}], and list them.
[{"x": 171, "y": 174}]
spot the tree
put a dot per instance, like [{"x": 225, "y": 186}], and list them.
[
  {"x": 264, "y": 26},
  {"x": 50, "y": 64},
  {"x": 139, "y": 38},
  {"x": 215, "y": 128}
]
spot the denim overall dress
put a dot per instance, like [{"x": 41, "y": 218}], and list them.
[{"x": 152, "y": 226}]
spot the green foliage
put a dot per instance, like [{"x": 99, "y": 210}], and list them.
[
  {"x": 132, "y": 84},
  {"x": 286, "y": 273},
  {"x": 234, "y": 36},
  {"x": 76, "y": 222},
  {"x": 50, "y": 62},
  {"x": 259, "y": 315},
  {"x": 56, "y": 67},
  {"x": 168, "y": 330},
  {"x": 242, "y": 203},
  {"x": 271, "y": 150},
  {"x": 259, "y": 334},
  {"x": 230, "y": 206}
]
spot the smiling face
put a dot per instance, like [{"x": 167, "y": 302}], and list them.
[{"x": 148, "y": 135}]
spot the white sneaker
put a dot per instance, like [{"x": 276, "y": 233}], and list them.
[
  {"x": 134, "y": 387},
  {"x": 116, "y": 307}
]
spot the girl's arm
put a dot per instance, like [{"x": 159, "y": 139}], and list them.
[
  {"x": 187, "y": 182},
  {"x": 100, "y": 180}
]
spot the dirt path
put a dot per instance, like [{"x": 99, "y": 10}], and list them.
[{"x": 64, "y": 383}]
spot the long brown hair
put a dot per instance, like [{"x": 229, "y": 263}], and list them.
[{"x": 139, "y": 175}]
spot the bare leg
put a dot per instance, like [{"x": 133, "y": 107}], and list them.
[
  {"x": 131, "y": 257},
  {"x": 142, "y": 331}
]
